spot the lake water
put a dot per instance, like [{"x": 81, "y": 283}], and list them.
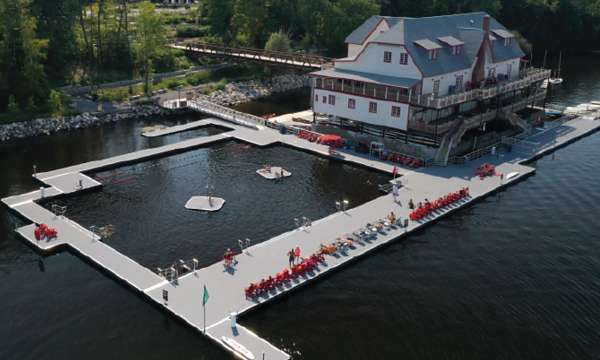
[{"x": 515, "y": 276}]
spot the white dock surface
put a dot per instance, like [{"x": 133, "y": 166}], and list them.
[{"x": 267, "y": 258}]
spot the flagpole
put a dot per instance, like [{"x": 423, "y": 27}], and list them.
[{"x": 204, "y": 308}]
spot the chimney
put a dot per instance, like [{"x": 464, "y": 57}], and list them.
[{"x": 486, "y": 23}]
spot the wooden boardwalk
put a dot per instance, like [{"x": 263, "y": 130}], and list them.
[{"x": 269, "y": 257}]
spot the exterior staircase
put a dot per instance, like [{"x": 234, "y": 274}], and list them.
[
  {"x": 452, "y": 137},
  {"x": 515, "y": 120}
]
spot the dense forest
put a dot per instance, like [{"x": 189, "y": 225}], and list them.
[{"x": 49, "y": 43}]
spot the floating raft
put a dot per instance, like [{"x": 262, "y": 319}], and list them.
[
  {"x": 201, "y": 203},
  {"x": 274, "y": 174}
]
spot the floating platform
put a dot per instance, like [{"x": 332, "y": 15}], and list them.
[
  {"x": 268, "y": 258},
  {"x": 201, "y": 203},
  {"x": 275, "y": 173}
]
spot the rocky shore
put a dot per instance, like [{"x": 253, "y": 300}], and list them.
[
  {"x": 240, "y": 92},
  {"x": 234, "y": 93},
  {"x": 47, "y": 126}
]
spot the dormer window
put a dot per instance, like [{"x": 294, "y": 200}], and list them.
[
  {"x": 433, "y": 54},
  {"x": 507, "y": 36},
  {"x": 387, "y": 56},
  {"x": 431, "y": 47},
  {"x": 454, "y": 43}
]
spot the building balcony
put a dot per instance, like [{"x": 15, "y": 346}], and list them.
[
  {"x": 440, "y": 127},
  {"x": 488, "y": 90}
]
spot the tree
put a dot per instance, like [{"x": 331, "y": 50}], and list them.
[
  {"x": 250, "y": 20},
  {"x": 57, "y": 21},
  {"x": 278, "y": 41},
  {"x": 219, "y": 14},
  {"x": 149, "y": 40},
  {"x": 31, "y": 107},
  {"x": 13, "y": 107},
  {"x": 55, "y": 105},
  {"x": 22, "y": 53}
]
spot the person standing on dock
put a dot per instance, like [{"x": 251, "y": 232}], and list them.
[
  {"x": 291, "y": 257},
  {"x": 396, "y": 193},
  {"x": 297, "y": 253}
]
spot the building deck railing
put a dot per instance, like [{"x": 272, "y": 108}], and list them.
[
  {"x": 443, "y": 127},
  {"x": 388, "y": 93}
]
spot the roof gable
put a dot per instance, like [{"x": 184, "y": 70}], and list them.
[
  {"x": 361, "y": 33},
  {"x": 419, "y": 35}
]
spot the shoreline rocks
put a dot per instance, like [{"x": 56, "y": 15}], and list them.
[
  {"x": 239, "y": 92},
  {"x": 236, "y": 92},
  {"x": 48, "y": 126}
]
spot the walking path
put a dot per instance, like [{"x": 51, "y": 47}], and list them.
[{"x": 227, "y": 287}]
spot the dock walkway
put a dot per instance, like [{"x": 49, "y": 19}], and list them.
[{"x": 227, "y": 288}]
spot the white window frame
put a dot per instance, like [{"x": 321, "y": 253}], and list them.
[
  {"x": 396, "y": 111},
  {"x": 403, "y": 58},
  {"x": 373, "y": 107},
  {"x": 436, "y": 87},
  {"x": 433, "y": 54},
  {"x": 351, "y": 103},
  {"x": 459, "y": 82},
  {"x": 331, "y": 99},
  {"x": 387, "y": 56}
]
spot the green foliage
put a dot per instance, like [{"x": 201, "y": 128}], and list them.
[
  {"x": 278, "y": 41},
  {"x": 13, "y": 107},
  {"x": 22, "y": 54},
  {"x": 150, "y": 40},
  {"x": 119, "y": 94},
  {"x": 31, "y": 107},
  {"x": 218, "y": 14},
  {"x": 190, "y": 31},
  {"x": 198, "y": 78},
  {"x": 55, "y": 106}
]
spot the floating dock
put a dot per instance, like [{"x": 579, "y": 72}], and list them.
[{"x": 268, "y": 258}]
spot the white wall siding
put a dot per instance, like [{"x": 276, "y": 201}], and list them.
[
  {"x": 446, "y": 81},
  {"x": 383, "y": 117},
  {"x": 371, "y": 61},
  {"x": 502, "y": 68},
  {"x": 355, "y": 49}
]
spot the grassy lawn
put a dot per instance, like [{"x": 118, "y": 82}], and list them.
[{"x": 213, "y": 80}]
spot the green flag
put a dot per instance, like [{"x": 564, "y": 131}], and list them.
[{"x": 204, "y": 296}]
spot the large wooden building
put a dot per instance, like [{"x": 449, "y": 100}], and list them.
[{"x": 419, "y": 74}]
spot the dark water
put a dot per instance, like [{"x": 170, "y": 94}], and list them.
[
  {"x": 515, "y": 276},
  {"x": 145, "y": 202}
]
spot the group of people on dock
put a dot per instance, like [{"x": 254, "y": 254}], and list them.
[{"x": 294, "y": 256}]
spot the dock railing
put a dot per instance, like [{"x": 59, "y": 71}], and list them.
[{"x": 202, "y": 104}]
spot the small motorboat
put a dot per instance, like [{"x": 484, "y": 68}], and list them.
[
  {"x": 552, "y": 113},
  {"x": 555, "y": 81},
  {"x": 551, "y": 82}
]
